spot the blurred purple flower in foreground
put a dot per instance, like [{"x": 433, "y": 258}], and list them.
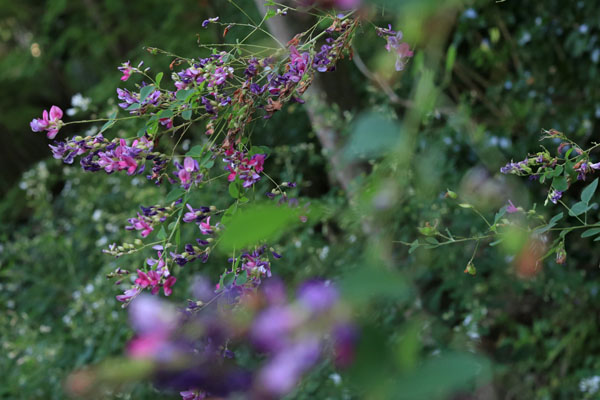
[{"x": 194, "y": 351}]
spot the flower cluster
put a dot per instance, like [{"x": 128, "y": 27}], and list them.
[
  {"x": 102, "y": 154},
  {"x": 132, "y": 101},
  {"x": 50, "y": 122},
  {"x": 243, "y": 167},
  {"x": 122, "y": 156},
  {"x": 395, "y": 45},
  {"x": 156, "y": 277},
  {"x": 195, "y": 352},
  {"x": 570, "y": 164},
  {"x": 188, "y": 173},
  {"x": 149, "y": 216},
  {"x": 213, "y": 70},
  {"x": 197, "y": 349},
  {"x": 255, "y": 264}
]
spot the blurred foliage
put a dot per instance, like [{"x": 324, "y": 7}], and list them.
[{"x": 480, "y": 96}]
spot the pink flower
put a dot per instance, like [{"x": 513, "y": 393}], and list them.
[
  {"x": 510, "y": 208},
  {"x": 126, "y": 69},
  {"x": 233, "y": 173},
  {"x": 205, "y": 227},
  {"x": 395, "y": 44},
  {"x": 140, "y": 224},
  {"x": 169, "y": 282},
  {"x": 184, "y": 176},
  {"x": 49, "y": 122}
]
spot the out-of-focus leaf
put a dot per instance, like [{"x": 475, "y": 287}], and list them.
[
  {"x": 261, "y": 222},
  {"x": 367, "y": 283},
  {"x": 439, "y": 376},
  {"x": 372, "y": 136}
]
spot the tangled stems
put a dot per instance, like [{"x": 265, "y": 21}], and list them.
[{"x": 569, "y": 165}]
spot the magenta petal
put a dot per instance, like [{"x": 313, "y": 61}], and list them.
[
  {"x": 55, "y": 113},
  {"x": 188, "y": 164},
  {"x": 52, "y": 133}
]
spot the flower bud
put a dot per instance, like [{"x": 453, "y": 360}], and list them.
[
  {"x": 450, "y": 194},
  {"x": 471, "y": 270}
]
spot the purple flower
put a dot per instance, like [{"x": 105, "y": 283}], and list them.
[
  {"x": 317, "y": 296},
  {"x": 514, "y": 168},
  {"x": 510, "y": 208},
  {"x": 129, "y": 294},
  {"x": 395, "y": 45},
  {"x": 555, "y": 195},
  {"x": 195, "y": 215},
  {"x": 271, "y": 328},
  {"x": 208, "y": 21},
  {"x": 49, "y": 122},
  {"x": 298, "y": 64},
  {"x": 252, "y": 68},
  {"x": 192, "y": 395},
  {"x": 283, "y": 371},
  {"x": 220, "y": 76}
]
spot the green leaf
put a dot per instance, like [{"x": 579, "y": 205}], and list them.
[
  {"x": 578, "y": 209},
  {"x": 162, "y": 234},
  {"x": 590, "y": 232},
  {"x": 195, "y": 151},
  {"x": 414, "y": 246},
  {"x": 187, "y": 115},
  {"x": 261, "y": 222},
  {"x": 372, "y": 136},
  {"x": 183, "y": 94},
  {"x": 228, "y": 279},
  {"x": 367, "y": 283},
  {"x": 557, "y": 172},
  {"x": 230, "y": 212},
  {"x": 158, "y": 78},
  {"x": 152, "y": 127},
  {"x": 270, "y": 14},
  {"x": 556, "y": 218},
  {"x": 465, "y": 205},
  {"x": 432, "y": 240},
  {"x": 241, "y": 278},
  {"x": 168, "y": 113},
  {"x": 175, "y": 194},
  {"x": 134, "y": 106},
  {"x": 499, "y": 214},
  {"x": 111, "y": 121},
  {"x": 145, "y": 92},
  {"x": 588, "y": 192},
  {"x": 234, "y": 190},
  {"x": 560, "y": 183},
  {"x": 439, "y": 376},
  {"x": 550, "y": 225}
]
